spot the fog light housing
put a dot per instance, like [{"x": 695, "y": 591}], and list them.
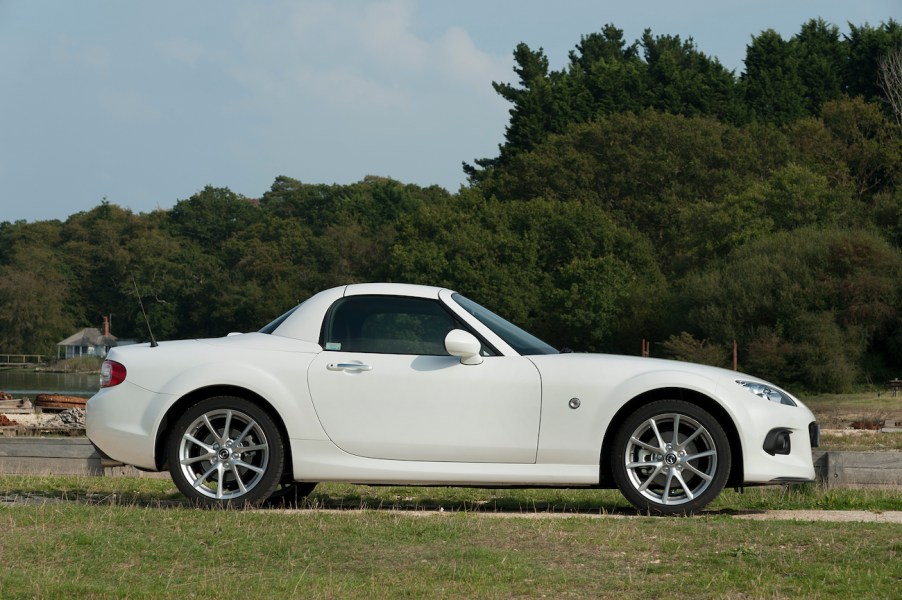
[{"x": 777, "y": 442}]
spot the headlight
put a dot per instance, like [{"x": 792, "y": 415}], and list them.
[{"x": 767, "y": 392}]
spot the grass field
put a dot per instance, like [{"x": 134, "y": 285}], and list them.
[{"x": 121, "y": 537}]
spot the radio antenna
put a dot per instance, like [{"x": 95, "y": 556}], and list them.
[{"x": 153, "y": 341}]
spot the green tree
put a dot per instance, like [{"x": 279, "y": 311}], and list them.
[
  {"x": 797, "y": 299},
  {"x": 654, "y": 172},
  {"x": 867, "y": 143},
  {"x": 605, "y": 75},
  {"x": 821, "y": 59},
  {"x": 33, "y": 295},
  {"x": 271, "y": 267},
  {"x": 866, "y": 45},
  {"x": 682, "y": 80},
  {"x": 771, "y": 82},
  {"x": 563, "y": 270},
  {"x": 532, "y": 100},
  {"x": 97, "y": 259},
  {"x": 686, "y": 348},
  {"x": 212, "y": 216}
]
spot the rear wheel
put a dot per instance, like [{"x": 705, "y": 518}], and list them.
[
  {"x": 226, "y": 451},
  {"x": 671, "y": 457}
]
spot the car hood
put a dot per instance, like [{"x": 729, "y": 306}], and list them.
[{"x": 613, "y": 373}]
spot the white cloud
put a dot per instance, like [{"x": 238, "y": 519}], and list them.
[
  {"x": 384, "y": 32},
  {"x": 466, "y": 63},
  {"x": 357, "y": 54}
]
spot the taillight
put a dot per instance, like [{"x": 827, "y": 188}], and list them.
[{"x": 111, "y": 373}]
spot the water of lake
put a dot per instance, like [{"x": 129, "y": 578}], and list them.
[{"x": 27, "y": 384}]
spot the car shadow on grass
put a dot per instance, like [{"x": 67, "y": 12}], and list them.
[{"x": 358, "y": 499}]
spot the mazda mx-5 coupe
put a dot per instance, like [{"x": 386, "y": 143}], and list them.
[{"x": 415, "y": 385}]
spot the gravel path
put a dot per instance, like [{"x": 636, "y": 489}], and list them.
[{"x": 833, "y": 516}]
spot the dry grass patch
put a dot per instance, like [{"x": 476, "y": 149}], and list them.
[
  {"x": 839, "y": 411},
  {"x": 860, "y": 440}
]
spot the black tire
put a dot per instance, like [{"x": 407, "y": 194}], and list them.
[
  {"x": 225, "y": 452},
  {"x": 290, "y": 495},
  {"x": 670, "y": 457}
]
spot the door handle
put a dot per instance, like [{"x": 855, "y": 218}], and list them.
[{"x": 348, "y": 367}]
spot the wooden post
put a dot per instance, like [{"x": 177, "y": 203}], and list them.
[{"x": 735, "y": 357}]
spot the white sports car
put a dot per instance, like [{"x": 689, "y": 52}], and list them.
[{"x": 407, "y": 384}]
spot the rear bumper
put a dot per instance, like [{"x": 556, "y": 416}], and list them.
[{"x": 112, "y": 426}]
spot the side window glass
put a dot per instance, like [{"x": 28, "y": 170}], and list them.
[{"x": 388, "y": 325}]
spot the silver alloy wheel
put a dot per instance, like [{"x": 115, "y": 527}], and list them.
[
  {"x": 223, "y": 454},
  {"x": 671, "y": 459}
]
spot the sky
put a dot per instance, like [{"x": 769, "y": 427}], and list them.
[{"x": 143, "y": 104}]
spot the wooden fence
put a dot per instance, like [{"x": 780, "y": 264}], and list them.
[{"x": 22, "y": 360}]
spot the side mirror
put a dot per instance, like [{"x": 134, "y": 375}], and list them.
[{"x": 463, "y": 344}]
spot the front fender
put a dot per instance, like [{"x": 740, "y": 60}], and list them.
[
  {"x": 651, "y": 381},
  {"x": 604, "y": 385}
]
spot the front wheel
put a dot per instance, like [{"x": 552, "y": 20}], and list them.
[
  {"x": 671, "y": 457},
  {"x": 225, "y": 451}
]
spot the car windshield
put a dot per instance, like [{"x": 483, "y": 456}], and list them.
[{"x": 523, "y": 342}]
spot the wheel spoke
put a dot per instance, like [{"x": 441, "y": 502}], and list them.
[
  {"x": 251, "y": 448},
  {"x": 196, "y": 441},
  {"x": 227, "y": 427},
  {"x": 212, "y": 429},
  {"x": 238, "y": 479},
  {"x": 244, "y": 433},
  {"x": 645, "y": 446},
  {"x": 651, "y": 478},
  {"x": 639, "y": 465},
  {"x": 248, "y": 466},
  {"x": 686, "y": 490},
  {"x": 195, "y": 459},
  {"x": 688, "y": 440},
  {"x": 200, "y": 480},
  {"x": 701, "y": 455},
  {"x": 665, "y": 495},
  {"x": 676, "y": 431},
  {"x": 704, "y": 476},
  {"x": 654, "y": 427},
  {"x": 220, "y": 484}
]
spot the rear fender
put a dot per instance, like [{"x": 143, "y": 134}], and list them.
[{"x": 284, "y": 389}]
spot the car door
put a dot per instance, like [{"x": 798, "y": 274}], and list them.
[{"x": 384, "y": 387}]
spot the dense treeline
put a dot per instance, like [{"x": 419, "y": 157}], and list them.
[
  {"x": 641, "y": 192},
  {"x": 783, "y": 81}
]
